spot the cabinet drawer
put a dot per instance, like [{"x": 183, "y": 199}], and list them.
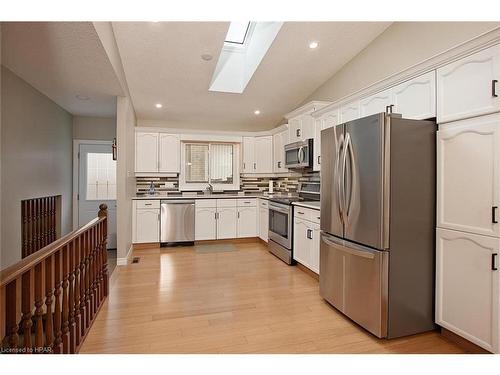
[
  {"x": 247, "y": 202},
  {"x": 315, "y": 216},
  {"x": 263, "y": 203},
  {"x": 212, "y": 203},
  {"x": 226, "y": 202},
  {"x": 301, "y": 213},
  {"x": 148, "y": 204}
]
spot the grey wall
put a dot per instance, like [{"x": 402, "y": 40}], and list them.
[
  {"x": 402, "y": 45},
  {"x": 36, "y": 158},
  {"x": 94, "y": 128}
]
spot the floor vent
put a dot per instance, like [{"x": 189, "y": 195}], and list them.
[{"x": 136, "y": 260}]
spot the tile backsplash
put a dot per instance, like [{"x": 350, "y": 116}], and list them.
[{"x": 248, "y": 184}]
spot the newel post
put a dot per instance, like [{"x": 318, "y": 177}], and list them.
[{"x": 103, "y": 213}]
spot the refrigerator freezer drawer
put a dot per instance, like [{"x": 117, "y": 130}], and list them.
[{"x": 354, "y": 279}]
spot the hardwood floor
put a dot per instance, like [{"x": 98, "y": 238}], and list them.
[{"x": 244, "y": 301}]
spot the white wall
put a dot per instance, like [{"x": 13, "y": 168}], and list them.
[
  {"x": 125, "y": 139},
  {"x": 94, "y": 128},
  {"x": 402, "y": 45},
  {"x": 36, "y": 157}
]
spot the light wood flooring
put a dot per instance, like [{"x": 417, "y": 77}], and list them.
[{"x": 176, "y": 300}]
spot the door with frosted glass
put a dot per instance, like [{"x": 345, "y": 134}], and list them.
[{"x": 96, "y": 185}]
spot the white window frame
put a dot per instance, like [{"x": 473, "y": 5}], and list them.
[{"x": 195, "y": 186}]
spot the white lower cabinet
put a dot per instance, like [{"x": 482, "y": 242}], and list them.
[
  {"x": 306, "y": 235},
  {"x": 263, "y": 220},
  {"x": 205, "y": 224},
  {"x": 467, "y": 286},
  {"x": 247, "y": 222},
  {"x": 226, "y": 222},
  {"x": 146, "y": 221}
]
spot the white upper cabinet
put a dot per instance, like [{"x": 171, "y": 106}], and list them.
[
  {"x": 375, "y": 103},
  {"x": 146, "y": 152},
  {"x": 300, "y": 128},
  {"x": 248, "y": 154},
  {"x": 325, "y": 121},
  {"x": 279, "y": 141},
  {"x": 264, "y": 154},
  {"x": 467, "y": 286},
  {"x": 468, "y": 175},
  {"x": 258, "y": 154},
  {"x": 169, "y": 153},
  {"x": 469, "y": 87},
  {"x": 349, "y": 111},
  {"x": 416, "y": 99},
  {"x": 157, "y": 152}
]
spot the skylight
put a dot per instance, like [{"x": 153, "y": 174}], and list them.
[{"x": 237, "y": 32}]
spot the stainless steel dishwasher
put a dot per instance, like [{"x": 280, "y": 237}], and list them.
[{"x": 177, "y": 222}]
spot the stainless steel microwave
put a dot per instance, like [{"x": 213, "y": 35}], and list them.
[{"x": 299, "y": 154}]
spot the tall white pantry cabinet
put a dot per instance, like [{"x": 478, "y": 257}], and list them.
[{"x": 468, "y": 199}]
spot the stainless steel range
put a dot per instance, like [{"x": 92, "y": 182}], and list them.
[{"x": 281, "y": 220}]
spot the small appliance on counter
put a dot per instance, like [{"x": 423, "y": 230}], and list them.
[{"x": 281, "y": 220}]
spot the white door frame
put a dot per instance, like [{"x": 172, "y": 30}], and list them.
[{"x": 76, "y": 174}]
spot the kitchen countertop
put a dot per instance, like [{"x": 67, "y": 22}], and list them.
[
  {"x": 208, "y": 196},
  {"x": 315, "y": 205}
]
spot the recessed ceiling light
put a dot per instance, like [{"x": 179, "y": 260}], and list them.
[
  {"x": 82, "y": 97},
  {"x": 207, "y": 57},
  {"x": 158, "y": 105},
  {"x": 313, "y": 45},
  {"x": 257, "y": 112}
]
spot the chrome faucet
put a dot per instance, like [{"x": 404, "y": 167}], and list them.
[{"x": 210, "y": 188}]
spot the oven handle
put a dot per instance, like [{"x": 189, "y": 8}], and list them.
[{"x": 279, "y": 209}]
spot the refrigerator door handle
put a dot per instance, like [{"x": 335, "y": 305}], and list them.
[
  {"x": 343, "y": 247},
  {"x": 342, "y": 183},
  {"x": 352, "y": 182},
  {"x": 338, "y": 175}
]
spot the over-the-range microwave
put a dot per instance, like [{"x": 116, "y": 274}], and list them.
[{"x": 299, "y": 154}]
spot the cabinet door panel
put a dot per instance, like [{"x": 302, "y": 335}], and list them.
[
  {"x": 169, "y": 153},
  {"x": 465, "y": 86},
  {"x": 416, "y": 98},
  {"x": 349, "y": 112},
  {"x": 146, "y": 152},
  {"x": 467, "y": 287},
  {"x": 247, "y": 222},
  {"x": 248, "y": 154},
  {"x": 295, "y": 129},
  {"x": 263, "y": 223},
  {"x": 307, "y": 126},
  {"x": 375, "y": 103},
  {"x": 226, "y": 222},
  {"x": 147, "y": 225},
  {"x": 263, "y": 154},
  {"x": 315, "y": 248},
  {"x": 300, "y": 242},
  {"x": 468, "y": 170},
  {"x": 205, "y": 227}
]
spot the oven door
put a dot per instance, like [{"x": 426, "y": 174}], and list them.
[{"x": 280, "y": 230}]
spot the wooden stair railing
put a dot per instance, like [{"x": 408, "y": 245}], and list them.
[{"x": 49, "y": 300}]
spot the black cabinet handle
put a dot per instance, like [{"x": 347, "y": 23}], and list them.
[
  {"x": 297, "y": 132},
  {"x": 319, "y": 159},
  {"x": 244, "y": 166},
  {"x": 494, "y": 88},
  {"x": 279, "y": 164},
  {"x": 493, "y": 262},
  {"x": 254, "y": 166},
  {"x": 310, "y": 234},
  {"x": 494, "y": 214},
  {"x": 388, "y": 109}
]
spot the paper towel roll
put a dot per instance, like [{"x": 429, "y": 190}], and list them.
[{"x": 270, "y": 186}]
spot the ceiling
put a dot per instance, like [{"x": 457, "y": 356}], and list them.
[
  {"x": 163, "y": 64},
  {"x": 63, "y": 60}
]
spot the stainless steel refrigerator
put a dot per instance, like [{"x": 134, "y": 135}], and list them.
[{"x": 378, "y": 222}]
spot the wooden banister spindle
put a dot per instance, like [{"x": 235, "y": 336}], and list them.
[
  {"x": 76, "y": 306},
  {"x": 11, "y": 314},
  {"x": 57, "y": 308},
  {"x": 101, "y": 262},
  {"x": 103, "y": 213},
  {"x": 49, "y": 286},
  {"x": 92, "y": 273},
  {"x": 39, "y": 305},
  {"x": 71, "y": 297},
  {"x": 26, "y": 307},
  {"x": 65, "y": 299},
  {"x": 95, "y": 285},
  {"x": 83, "y": 297}
]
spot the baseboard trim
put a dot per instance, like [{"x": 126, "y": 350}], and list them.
[
  {"x": 230, "y": 240},
  {"x": 465, "y": 344},
  {"x": 303, "y": 268},
  {"x": 125, "y": 261},
  {"x": 143, "y": 246}
]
